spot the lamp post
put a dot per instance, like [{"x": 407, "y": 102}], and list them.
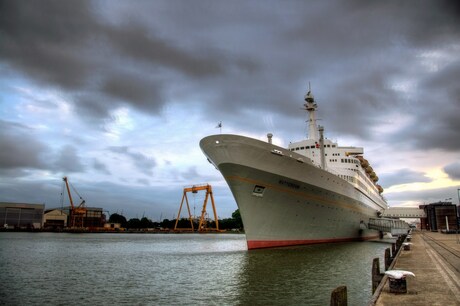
[
  {"x": 458, "y": 194},
  {"x": 447, "y": 219}
]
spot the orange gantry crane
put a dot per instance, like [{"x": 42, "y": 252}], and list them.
[
  {"x": 202, "y": 226},
  {"x": 77, "y": 213}
]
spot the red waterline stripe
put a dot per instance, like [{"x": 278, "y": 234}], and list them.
[{"x": 260, "y": 244}]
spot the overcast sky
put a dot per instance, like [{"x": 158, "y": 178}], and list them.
[{"x": 116, "y": 95}]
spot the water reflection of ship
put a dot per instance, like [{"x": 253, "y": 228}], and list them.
[{"x": 306, "y": 275}]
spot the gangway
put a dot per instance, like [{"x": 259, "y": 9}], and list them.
[
  {"x": 403, "y": 212},
  {"x": 393, "y": 226},
  {"x": 202, "y": 226}
]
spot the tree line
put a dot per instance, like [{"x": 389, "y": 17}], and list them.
[{"x": 135, "y": 223}]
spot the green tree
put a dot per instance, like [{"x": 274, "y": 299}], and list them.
[
  {"x": 231, "y": 223},
  {"x": 146, "y": 223},
  {"x": 134, "y": 223},
  {"x": 166, "y": 223},
  {"x": 236, "y": 216},
  {"x": 116, "y": 218},
  {"x": 185, "y": 223}
]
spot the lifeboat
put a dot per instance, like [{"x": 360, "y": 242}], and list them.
[
  {"x": 369, "y": 170},
  {"x": 379, "y": 188},
  {"x": 374, "y": 176},
  {"x": 364, "y": 162}
]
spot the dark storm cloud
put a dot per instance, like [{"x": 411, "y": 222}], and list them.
[
  {"x": 19, "y": 148},
  {"x": 190, "y": 174},
  {"x": 21, "y": 152},
  {"x": 68, "y": 160},
  {"x": 66, "y": 45},
  {"x": 47, "y": 40},
  {"x": 359, "y": 53},
  {"x": 138, "y": 42},
  {"x": 144, "y": 182},
  {"x": 143, "y": 163},
  {"x": 403, "y": 176},
  {"x": 100, "y": 167},
  {"x": 438, "y": 108},
  {"x": 353, "y": 104},
  {"x": 243, "y": 57},
  {"x": 135, "y": 89},
  {"x": 92, "y": 107},
  {"x": 32, "y": 192},
  {"x": 453, "y": 170}
]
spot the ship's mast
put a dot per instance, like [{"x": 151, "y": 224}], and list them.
[
  {"x": 321, "y": 147},
  {"x": 311, "y": 106}
]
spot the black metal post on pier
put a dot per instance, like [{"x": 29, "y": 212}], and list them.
[{"x": 339, "y": 296}]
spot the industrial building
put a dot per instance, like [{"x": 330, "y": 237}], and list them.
[
  {"x": 34, "y": 216},
  {"x": 54, "y": 219},
  {"x": 93, "y": 217},
  {"x": 440, "y": 216},
  {"x": 21, "y": 215}
]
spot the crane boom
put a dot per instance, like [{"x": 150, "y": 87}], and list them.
[
  {"x": 77, "y": 214},
  {"x": 68, "y": 191}
]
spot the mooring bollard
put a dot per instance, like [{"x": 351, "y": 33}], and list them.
[
  {"x": 407, "y": 246},
  {"x": 398, "y": 243},
  {"x": 398, "y": 285},
  {"x": 387, "y": 258},
  {"x": 397, "y": 280},
  {"x": 376, "y": 275},
  {"x": 339, "y": 296}
]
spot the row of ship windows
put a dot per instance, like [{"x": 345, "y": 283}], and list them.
[
  {"x": 355, "y": 180},
  {"x": 366, "y": 185},
  {"x": 364, "y": 179},
  {"x": 351, "y": 179},
  {"x": 311, "y": 147},
  {"x": 348, "y": 178},
  {"x": 348, "y": 160},
  {"x": 345, "y": 160}
]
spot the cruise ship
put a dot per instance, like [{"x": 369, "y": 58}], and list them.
[{"x": 313, "y": 191}]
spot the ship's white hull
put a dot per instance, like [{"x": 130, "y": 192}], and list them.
[{"x": 286, "y": 200}]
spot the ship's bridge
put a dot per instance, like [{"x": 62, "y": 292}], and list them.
[
  {"x": 307, "y": 144},
  {"x": 352, "y": 150}
]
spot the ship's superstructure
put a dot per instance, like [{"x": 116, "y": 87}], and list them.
[
  {"x": 312, "y": 192},
  {"x": 347, "y": 163}
]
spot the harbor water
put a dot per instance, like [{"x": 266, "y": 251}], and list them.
[{"x": 177, "y": 269}]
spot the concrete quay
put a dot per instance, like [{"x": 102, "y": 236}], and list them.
[{"x": 434, "y": 258}]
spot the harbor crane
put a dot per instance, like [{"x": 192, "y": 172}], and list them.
[
  {"x": 202, "y": 226},
  {"x": 77, "y": 213}
]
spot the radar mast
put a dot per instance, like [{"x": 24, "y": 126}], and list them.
[{"x": 311, "y": 106}]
